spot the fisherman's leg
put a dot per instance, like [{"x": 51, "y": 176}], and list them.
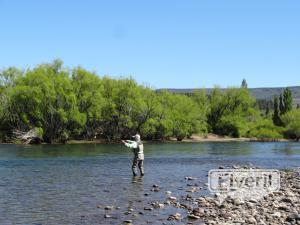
[
  {"x": 134, "y": 166},
  {"x": 141, "y": 167}
]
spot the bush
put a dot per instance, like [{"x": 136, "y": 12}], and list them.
[
  {"x": 292, "y": 122},
  {"x": 265, "y": 129}
]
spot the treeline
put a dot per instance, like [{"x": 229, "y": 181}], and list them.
[{"x": 60, "y": 104}]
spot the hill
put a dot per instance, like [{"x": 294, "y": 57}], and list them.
[{"x": 259, "y": 93}]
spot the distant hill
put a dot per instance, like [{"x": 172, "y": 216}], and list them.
[{"x": 258, "y": 93}]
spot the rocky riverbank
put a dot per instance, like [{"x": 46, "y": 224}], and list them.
[
  {"x": 281, "y": 207},
  {"x": 277, "y": 208}
]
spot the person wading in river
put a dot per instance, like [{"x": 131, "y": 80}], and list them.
[{"x": 138, "y": 151}]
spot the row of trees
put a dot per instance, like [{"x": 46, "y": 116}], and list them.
[{"x": 61, "y": 104}]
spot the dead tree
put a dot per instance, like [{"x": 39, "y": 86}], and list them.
[{"x": 28, "y": 137}]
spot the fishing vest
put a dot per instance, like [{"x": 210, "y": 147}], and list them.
[{"x": 139, "y": 151}]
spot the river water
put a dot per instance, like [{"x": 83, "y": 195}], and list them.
[{"x": 71, "y": 184}]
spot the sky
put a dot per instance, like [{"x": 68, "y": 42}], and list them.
[{"x": 160, "y": 43}]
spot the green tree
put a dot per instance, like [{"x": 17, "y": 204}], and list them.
[
  {"x": 60, "y": 103},
  {"x": 88, "y": 90},
  {"x": 281, "y": 105},
  {"x": 123, "y": 100},
  {"x": 148, "y": 118},
  {"x": 202, "y": 106},
  {"x": 8, "y": 76},
  {"x": 287, "y": 100},
  {"x": 267, "y": 110},
  {"x": 178, "y": 116},
  {"x": 231, "y": 111},
  {"x": 244, "y": 84},
  {"x": 276, "y": 117},
  {"x": 44, "y": 98},
  {"x": 291, "y": 121},
  {"x": 265, "y": 129}
]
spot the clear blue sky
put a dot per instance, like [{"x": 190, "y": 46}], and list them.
[{"x": 161, "y": 43}]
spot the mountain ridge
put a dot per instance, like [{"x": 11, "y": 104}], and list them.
[{"x": 260, "y": 93}]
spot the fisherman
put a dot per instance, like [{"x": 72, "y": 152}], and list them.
[{"x": 138, "y": 151}]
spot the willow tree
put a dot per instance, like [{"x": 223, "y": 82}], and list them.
[
  {"x": 231, "y": 111},
  {"x": 44, "y": 98},
  {"x": 291, "y": 120},
  {"x": 88, "y": 90}
]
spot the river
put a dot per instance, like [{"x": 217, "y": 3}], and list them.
[{"x": 71, "y": 184}]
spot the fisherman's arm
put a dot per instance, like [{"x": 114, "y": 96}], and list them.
[{"x": 130, "y": 144}]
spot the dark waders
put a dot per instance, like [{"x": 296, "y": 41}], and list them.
[{"x": 138, "y": 160}]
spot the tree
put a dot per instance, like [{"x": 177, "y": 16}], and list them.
[
  {"x": 55, "y": 104},
  {"x": 121, "y": 110},
  {"x": 231, "y": 111},
  {"x": 244, "y": 84},
  {"x": 267, "y": 110},
  {"x": 202, "y": 105},
  {"x": 276, "y": 116},
  {"x": 281, "y": 105},
  {"x": 178, "y": 116},
  {"x": 8, "y": 76},
  {"x": 44, "y": 98},
  {"x": 188, "y": 117},
  {"x": 264, "y": 129},
  {"x": 287, "y": 100},
  {"x": 291, "y": 121},
  {"x": 88, "y": 89}
]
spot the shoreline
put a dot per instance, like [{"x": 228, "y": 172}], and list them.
[
  {"x": 189, "y": 205},
  {"x": 192, "y": 206},
  {"x": 193, "y": 139}
]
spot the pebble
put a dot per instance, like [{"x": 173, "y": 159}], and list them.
[
  {"x": 238, "y": 201},
  {"x": 283, "y": 207},
  {"x": 194, "y": 217},
  {"x": 287, "y": 200},
  {"x": 176, "y": 216},
  {"x": 292, "y": 217},
  {"x": 127, "y": 222},
  {"x": 190, "y": 178},
  {"x": 155, "y": 189},
  {"x": 253, "y": 200},
  {"x": 192, "y": 190},
  {"x": 109, "y": 208},
  {"x": 148, "y": 208},
  {"x": 276, "y": 214},
  {"x": 172, "y": 198},
  {"x": 157, "y": 205},
  {"x": 252, "y": 220}
]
